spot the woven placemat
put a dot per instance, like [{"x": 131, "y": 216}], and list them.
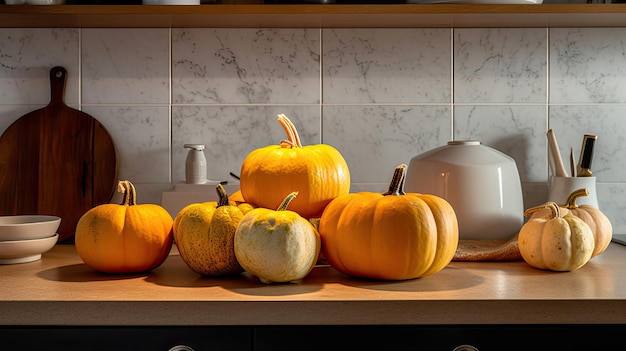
[
  {"x": 488, "y": 250},
  {"x": 473, "y": 250}
]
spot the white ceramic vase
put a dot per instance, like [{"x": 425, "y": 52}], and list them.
[{"x": 481, "y": 183}]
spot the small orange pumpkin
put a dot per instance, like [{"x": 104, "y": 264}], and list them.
[
  {"x": 236, "y": 197},
  {"x": 126, "y": 238},
  {"x": 318, "y": 173},
  {"x": 390, "y": 236}
]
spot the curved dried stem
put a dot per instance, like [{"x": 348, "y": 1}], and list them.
[
  {"x": 130, "y": 194},
  {"x": 290, "y": 130}
]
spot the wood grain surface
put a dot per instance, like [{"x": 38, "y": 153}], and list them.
[{"x": 56, "y": 161}]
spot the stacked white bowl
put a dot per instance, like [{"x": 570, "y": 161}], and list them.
[{"x": 25, "y": 238}]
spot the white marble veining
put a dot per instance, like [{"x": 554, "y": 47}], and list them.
[
  {"x": 587, "y": 65},
  {"x": 125, "y": 66},
  {"x": 386, "y": 66},
  {"x": 26, "y": 57},
  {"x": 230, "y": 133},
  {"x": 380, "y": 96},
  {"x": 375, "y": 139},
  {"x": 500, "y": 65},
  {"x": 142, "y": 138},
  {"x": 516, "y": 130},
  {"x": 245, "y": 66}
]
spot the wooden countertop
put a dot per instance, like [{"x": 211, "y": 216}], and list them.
[{"x": 61, "y": 290}]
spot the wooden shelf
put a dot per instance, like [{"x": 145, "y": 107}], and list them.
[{"x": 313, "y": 16}]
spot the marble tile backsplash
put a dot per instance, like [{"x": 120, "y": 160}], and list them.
[{"x": 380, "y": 96}]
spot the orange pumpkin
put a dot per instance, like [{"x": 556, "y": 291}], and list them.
[
  {"x": 126, "y": 238},
  {"x": 318, "y": 173},
  {"x": 236, "y": 197},
  {"x": 598, "y": 222},
  {"x": 390, "y": 236}
]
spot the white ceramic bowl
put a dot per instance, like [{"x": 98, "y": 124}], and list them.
[
  {"x": 22, "y": 251},
  {"x": 481, "y": 183},
  {"x": 28, "y": 227}
]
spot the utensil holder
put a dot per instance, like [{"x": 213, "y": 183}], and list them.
[{"x": 561, "y": 187}]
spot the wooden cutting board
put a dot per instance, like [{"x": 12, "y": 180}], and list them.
[{"x": 56, "y": 161}]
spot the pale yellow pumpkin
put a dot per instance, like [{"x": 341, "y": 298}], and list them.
[
  {"x": 598, "y": 222},
  {"x": 204, "y": 235},
  {"x": 555, "y": 242},
  {"x": 277, "y": 245}
]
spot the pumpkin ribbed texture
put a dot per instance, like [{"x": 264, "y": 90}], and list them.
[
  {"x": 126, "y": 238},
  {"x": 390, "y": 236},
  {"x": 319, "y": 173},
  {"x": 596, "y": 220},
  {"x": 204, "y": 235},
  {"x": 599, "y": 223},
  {"x": 277, "y": 245},
  {"x": 555, "y": 242}
]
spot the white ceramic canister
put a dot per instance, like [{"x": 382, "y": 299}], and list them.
[
  {"x": 195, "y": 164},
  {"x": 481, "y": 183}
]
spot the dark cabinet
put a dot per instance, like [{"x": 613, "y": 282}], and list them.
[
  {"x": 127, "y": 338},
  {"x": 315, "y": 338},
  {"x": 438, "y": 338}
]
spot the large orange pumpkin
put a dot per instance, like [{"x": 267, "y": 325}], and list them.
[
  {"x": 318, "y": 173},
  {"x": 390, "y": 236},
  {"x": 126, "y": 238}
]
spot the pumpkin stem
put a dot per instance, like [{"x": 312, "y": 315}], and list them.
[
  {"x": 553, "y": 206},
  {"x": 223, "y": 197},
  {"x": 570, "y": 203},
  {"x": 286, "y": 201},
  {"x": 286, "y": 143},
  {"x": 396, "y": 186},
  {"x": 290, "y": 129},
  {"x": 130, "y": 194}
]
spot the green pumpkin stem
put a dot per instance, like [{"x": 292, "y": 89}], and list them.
[
  {"x": 570, "y": 203},
  {"x": 130, "y": 194},
  {"x": 396, "y": 186},
  {"x": 286, "y": 201},
  {"x": 223, "y": 196},
  {"x": 553, "y": 206}
]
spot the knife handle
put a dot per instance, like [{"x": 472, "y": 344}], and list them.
[{"x": 586, "y": 155}]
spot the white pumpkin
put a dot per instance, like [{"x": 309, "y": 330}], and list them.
[
  {"x": 555, "y": 242},
  {"x": 277, "y": 245}
]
